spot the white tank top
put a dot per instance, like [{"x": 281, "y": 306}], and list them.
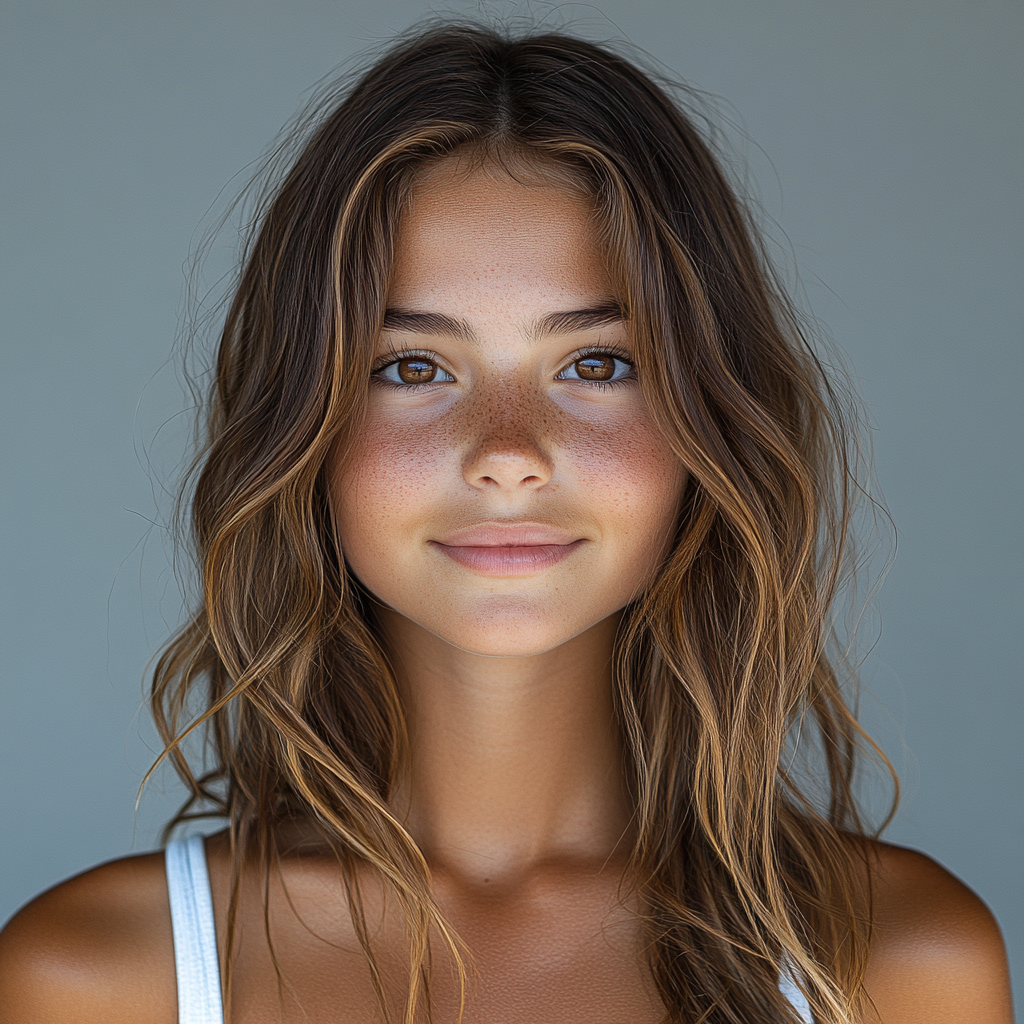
[{"x": 195, "y": 940}]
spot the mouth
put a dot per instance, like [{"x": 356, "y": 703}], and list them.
[{"x": 512, "y": 549}]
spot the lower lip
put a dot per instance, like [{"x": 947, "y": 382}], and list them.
[{"x": 509, "y": 561}]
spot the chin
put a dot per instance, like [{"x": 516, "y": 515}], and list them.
[{"x": 510, "y": 630}]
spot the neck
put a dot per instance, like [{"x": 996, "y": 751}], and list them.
[{"x": 513, "y": 762}]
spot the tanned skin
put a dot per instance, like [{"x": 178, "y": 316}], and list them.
[{"x": 514, "y": 788}]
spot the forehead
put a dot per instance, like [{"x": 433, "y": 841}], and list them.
[{"x": 477, "y": 230}]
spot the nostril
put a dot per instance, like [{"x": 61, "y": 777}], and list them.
[{"x": 506, "y": 467}]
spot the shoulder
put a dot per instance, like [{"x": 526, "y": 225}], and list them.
[
  {"x": 937, "y": 954},
  {"x": 96, "y": 948}
]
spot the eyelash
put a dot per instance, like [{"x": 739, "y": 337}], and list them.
[{"x": 397, "y": 356}]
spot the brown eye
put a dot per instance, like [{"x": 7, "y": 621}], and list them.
[
  {"x": 599, "y": 368},
  {"x": 416, "y": 371},
  {"x": 595, "y": 367},
  {"x": 408, "y": 371}
]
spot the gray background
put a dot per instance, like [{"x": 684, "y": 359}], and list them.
[{"x": 886, "y": 145}]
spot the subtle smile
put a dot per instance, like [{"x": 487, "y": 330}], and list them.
[{"x": 518, "y": 549}]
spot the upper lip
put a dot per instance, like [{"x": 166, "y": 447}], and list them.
[{"x": 508, "y": 535}]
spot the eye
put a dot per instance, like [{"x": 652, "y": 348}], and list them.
[
  {"x": 411, "y": 370},
  {"x": 598, "y": 368}
]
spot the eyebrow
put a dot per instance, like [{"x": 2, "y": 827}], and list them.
[
  {"x": 579, "y": 320},
  {"x": 566, "y": 322},
  {"x": 426, "y": 323}
]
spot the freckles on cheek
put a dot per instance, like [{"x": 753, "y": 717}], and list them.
[
  {"x": 628, "y": 466},
  {"x": 392, "y": 472}
]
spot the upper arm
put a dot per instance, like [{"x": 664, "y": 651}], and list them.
[
  {"x": 96, "y": 949},
  {"x": 937, "y": 954}
]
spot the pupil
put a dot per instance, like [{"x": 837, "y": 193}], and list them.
[
  {"x": 596, "y": 367},
  {"x": 416, "y": 371}
]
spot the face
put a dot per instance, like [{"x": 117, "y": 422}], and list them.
[{"x": 510, "y": 489}]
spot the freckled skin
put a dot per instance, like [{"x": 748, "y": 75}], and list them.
[{"x": 505, "y": 440}]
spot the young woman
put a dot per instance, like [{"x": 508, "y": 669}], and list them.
[{"x": 520, "y": 518}]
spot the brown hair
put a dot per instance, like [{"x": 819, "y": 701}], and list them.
[{"x": 738, "y": 868}]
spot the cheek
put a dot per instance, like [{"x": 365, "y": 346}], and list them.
[
  {"x": 628, "y": 470},
  {"x": 395, "y": 469}
]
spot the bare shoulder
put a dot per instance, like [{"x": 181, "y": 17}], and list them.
[
  {"x": 96, "y": 948},
  {"x": 937, "y": 952}
]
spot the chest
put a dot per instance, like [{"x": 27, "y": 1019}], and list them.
[{"x": 544, "y": 954}]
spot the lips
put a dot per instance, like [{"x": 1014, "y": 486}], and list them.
[{"x": 512, "y": 549}]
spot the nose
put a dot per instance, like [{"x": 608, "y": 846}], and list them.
[{"x": 508, "y": 453}]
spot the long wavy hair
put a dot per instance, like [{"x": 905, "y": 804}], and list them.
[{"x": 741, "y": 866}]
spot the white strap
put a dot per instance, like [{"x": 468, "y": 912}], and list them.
[
  {"x": 788, "y": 987},
  {"x": 195, "y": 939}
]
